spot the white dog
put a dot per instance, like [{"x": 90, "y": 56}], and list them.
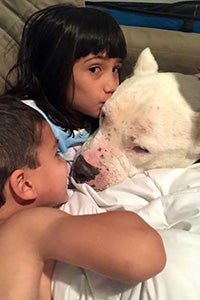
[{"x": 151, "y": 121}]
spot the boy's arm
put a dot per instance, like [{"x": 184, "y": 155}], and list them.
[{"x": 117, "y": 244}]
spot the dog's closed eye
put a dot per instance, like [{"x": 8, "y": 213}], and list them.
[{"x": 140, "y": 149}]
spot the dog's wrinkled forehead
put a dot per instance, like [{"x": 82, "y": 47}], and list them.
[
  {"x": 140, "y": 93},
  {"x": 147, "y": 85}
]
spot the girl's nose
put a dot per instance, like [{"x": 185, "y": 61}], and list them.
[{"x": 111, "y": 83}]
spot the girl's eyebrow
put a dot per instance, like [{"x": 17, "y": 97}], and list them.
[
  {"x": 95, "y": 57},
  {"x": 119, "y": 60}
]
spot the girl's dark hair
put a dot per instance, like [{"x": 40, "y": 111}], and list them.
[
  {"x": 52, "y": 40},
  {"x": 20, "y": 137}
]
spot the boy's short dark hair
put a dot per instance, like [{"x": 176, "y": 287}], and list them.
[{"x": 20, "y": 136}]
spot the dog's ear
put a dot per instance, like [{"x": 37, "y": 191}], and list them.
[{"x": 146, "y": 63}]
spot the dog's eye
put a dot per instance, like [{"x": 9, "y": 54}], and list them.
[
  {"x": 140, "y": 149},
  {"x": 103, "y": 115}
]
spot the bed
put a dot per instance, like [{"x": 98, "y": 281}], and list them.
[{"x": 168, "y": 199}]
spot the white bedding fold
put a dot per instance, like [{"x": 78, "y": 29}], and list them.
[{"x": 169, "y": 200}]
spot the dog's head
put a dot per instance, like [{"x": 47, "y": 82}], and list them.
[{"x": 151, "y": 121}]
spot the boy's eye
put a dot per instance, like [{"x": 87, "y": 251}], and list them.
[
  {"x": 94, "y": 69},
  {"x": 58, "y": 152}
]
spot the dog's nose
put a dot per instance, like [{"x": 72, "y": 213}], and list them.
[{"x": 82, "y": 171}]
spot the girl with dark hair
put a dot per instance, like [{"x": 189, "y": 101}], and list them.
[{"x": 68, "y": 66}]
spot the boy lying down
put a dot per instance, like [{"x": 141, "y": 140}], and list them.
[{"x": 33, "y": 232}]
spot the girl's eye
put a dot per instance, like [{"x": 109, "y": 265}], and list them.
[
  {"x": 117, "y": 70},
  {"x": 94, "y": 69}
]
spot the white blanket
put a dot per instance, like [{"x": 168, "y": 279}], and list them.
[{"x": 169, "y": 200}]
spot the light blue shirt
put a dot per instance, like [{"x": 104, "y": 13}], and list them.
[{"x": 65, "y": 140}]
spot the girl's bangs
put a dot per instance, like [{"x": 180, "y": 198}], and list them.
[{"x": 111, "y": 41}]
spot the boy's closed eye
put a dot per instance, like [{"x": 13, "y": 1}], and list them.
[{"x": 56, "y": 149}]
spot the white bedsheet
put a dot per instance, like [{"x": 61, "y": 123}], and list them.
[{"x": 169, "y": 200}]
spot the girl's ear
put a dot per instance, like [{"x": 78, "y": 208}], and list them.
[{"x": 22, "y": 186}]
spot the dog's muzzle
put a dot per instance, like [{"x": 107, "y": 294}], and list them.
[{"x": 82, "y": 171}]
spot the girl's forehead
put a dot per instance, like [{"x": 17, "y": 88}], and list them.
[
  {"x": 102, "y": 54},
  {"x": 91, "y": 56}
]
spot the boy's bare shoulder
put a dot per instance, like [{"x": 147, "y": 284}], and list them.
[
  {"x": 29, "y": 223},
  {"x": 22, "y": 240},
  {"x": 30, "y": 214}
]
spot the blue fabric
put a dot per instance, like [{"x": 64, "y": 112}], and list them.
[
  {"x": 151, "y": 18},
  {"x": 65, "y": 141}
]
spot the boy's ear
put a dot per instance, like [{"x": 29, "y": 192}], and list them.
[{"x": 22, "y": 186}]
